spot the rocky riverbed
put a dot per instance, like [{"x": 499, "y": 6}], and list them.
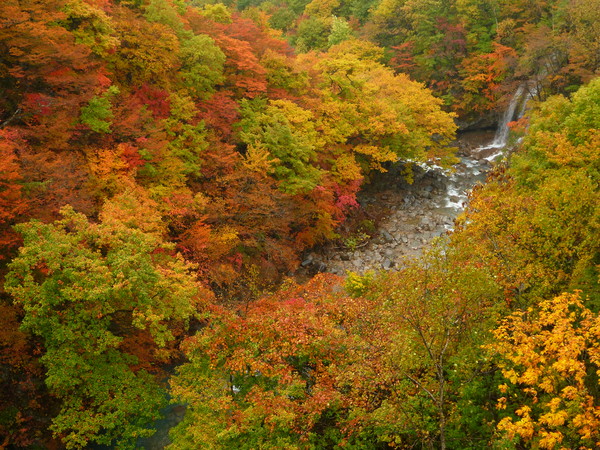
[{"x": 413, "y": 214}]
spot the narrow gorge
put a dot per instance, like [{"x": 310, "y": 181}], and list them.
[{"x": 414, "y": 213}]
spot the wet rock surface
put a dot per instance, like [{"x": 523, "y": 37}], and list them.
[{"x": 413, "y": 214}]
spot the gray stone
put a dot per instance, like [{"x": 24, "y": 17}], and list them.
[
  {"x": 308, "y": 261},
  {"x": 320, "y": 266},
  {"x": 387, "y": 237}
]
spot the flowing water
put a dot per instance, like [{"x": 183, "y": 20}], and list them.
[{"x": 416, "y": 213}]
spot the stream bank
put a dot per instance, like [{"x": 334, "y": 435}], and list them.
[{"x": 413, "y": 214}]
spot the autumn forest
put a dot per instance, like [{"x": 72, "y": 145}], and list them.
[{"x": 166, "y": 166}]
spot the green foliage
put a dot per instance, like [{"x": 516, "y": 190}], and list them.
[
  {"x": 244, "y": 153},
  {"x": 311, "y": 35},
  {"x": 340, "y": 31},
  {"x": 82, "y": 286},
  {"x": 433, "y": 314},
  {"x": 355, "y": 240},
  {"x": 217, "y": 12},
  {"x": 201, "y": 65},
  {"x": 91, "y": 26},
  {"x": 282, "y": 19},
  {"x": 359, "y": 284},
  {"x": 539, "y": 220},
  {"x": 287, "y": 132},
  {"x": 164, "y": 12},
  {"x": 98, "y": 112},
  {"x": 188, "y": 145}
]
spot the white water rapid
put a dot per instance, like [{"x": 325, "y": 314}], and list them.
[
  {"x": 417, "y": 213},
  {"x": 514, "y": 111},
  {"x": 473, "y": 166}
]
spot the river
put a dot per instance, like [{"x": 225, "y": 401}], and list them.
[{"x": 413, "y": 214}]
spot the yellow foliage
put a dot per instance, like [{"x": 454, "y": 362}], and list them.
[
  {"x": 377, "y": 155},
  {"x": 258, "y": 159},
  {"x": 347, "y": 169},
  {"x": 108, "y": 168},
  {"x": 550, "y": 439},
  {"x": 321, "y": 8},
  {"x": 222, "y": 241},
  {"x": 549, "y": 353}
]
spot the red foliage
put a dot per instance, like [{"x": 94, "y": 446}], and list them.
[
  {"x": 243, "y": 43},
  {"x": 57, "y": 179},
  {"x": 346, "y": 196},
  {"x": 24, "y": 403},
  {"x": 48, "y": 75},
  {"x": 246, "y": 30},
  {"x": 220, "y": 112},
  {"x": 131, "y": 155},
  {"x": 156, "y": 100},
  {"x": 134, "y": 121},
  {"x": 403, "y": 59}
]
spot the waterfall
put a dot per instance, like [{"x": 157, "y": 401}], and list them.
[
  {"x": 476, "y": 165},
  {"x": 501, "y": 136},
  {"x": 514, "y": 111}
]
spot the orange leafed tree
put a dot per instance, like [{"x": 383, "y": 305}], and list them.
[{"x": 12, "y": 202}]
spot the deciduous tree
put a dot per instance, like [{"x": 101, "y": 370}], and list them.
[{"x": 84, "y": 288}]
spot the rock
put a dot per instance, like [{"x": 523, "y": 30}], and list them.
[
  {"x": 308, "y": 261},
  {"x": 484, "y": 152},
  {"x": 388, "y": 252},
  {"x": 387, "y": 237},
  {"x": 320, "y": 266},
  {"x": 387, "y": 264},
  {"x": 345, "y": 257}
]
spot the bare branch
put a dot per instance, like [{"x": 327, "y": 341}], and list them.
[{"x": 10, "y": 119}]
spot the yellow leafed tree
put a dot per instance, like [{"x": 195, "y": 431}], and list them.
[{"x": 551, "y": 362}]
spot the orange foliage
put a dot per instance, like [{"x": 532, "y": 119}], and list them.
[{"x": 12, "y": 201}]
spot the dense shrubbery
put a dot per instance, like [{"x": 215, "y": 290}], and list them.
[
  {"x": 398, "y": 359},
  {"x": 164, "y": 163}
]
